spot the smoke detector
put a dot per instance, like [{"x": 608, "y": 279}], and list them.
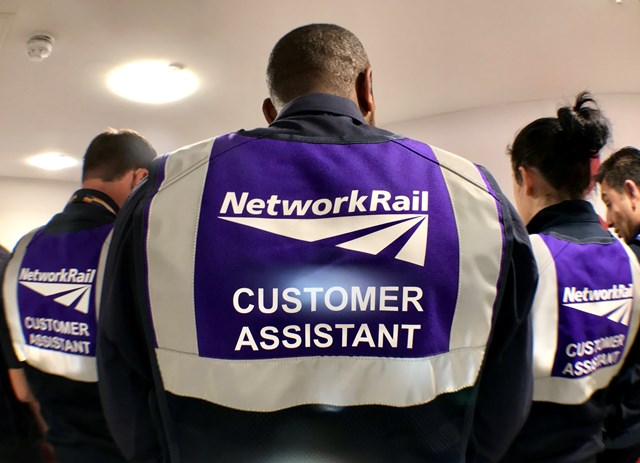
[{"x": 40, "y": 46}]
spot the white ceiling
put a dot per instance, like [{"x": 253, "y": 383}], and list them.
[{"x": 438, "y": 65}]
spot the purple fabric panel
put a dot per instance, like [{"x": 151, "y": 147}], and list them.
[
  {"x": 160, "y": 171},
  {"x": 231, "y": 256},
  {"x": 61, "y": 267},
  {"x": 591, "y": 277}
]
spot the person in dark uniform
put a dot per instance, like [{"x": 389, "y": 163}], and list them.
[
  {"x": 50, "y": 291},
  {"x": 585, "y": 314},
  {"x": 19, "y": 430},
  {"x": 316, "y": 290},
  {"x": 619, "y": 177}
]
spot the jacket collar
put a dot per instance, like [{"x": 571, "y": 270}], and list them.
[
  {"x": 322, "y": 103},
  {"x": 96, "y": 197},
  {"x": 566, "y": 212}
]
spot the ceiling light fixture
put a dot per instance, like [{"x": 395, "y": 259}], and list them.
[
  {"x": 52, "y": 161},
  {"x": 152, "y": 82}
]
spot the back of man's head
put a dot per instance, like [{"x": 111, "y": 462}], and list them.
[
  {"x": 622, "y": 165},
  {"x": 321, "y": 58},
  {"x": 115, "y": 152}
]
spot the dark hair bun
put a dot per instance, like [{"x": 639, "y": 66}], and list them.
[{"x": 584, "y": 129}]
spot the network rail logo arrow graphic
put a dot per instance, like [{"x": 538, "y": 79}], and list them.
[
  {"x": 388, "y": 228},
  {"x": 72, "y": 295},
  {"x": 618, "y": 310}
]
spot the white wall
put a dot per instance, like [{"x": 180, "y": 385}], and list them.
[
  {"x": 26, "y": 204},
  {"x": 482, "y": 135}
]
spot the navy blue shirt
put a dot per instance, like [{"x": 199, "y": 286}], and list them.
[
  {"x": 634, "y": 244},
  {"x": 622, "y": 427}
]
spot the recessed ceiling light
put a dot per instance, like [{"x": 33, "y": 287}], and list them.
[
  {"x": 152, "y": 82},
  {"x": 52, "y": 161}
]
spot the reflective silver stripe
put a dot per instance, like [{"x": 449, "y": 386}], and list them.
[
  {"x": 171, "y": 246},
  {"x": 268, "y": 385},
  {"x": 10, "y": 294},
  {"x": 100, "y": 272},
  {"x": 568, "y": 391},
  {"x": 544, "y": 310},
  {"x": 76, "y": 367},
  {"x": 480, "y": 237}
]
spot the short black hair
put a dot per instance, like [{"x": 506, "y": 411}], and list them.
[
  {"x": 561, "y": 147},
  {"x": 315, "y": 58},
  {"x": 115, "y": 152},
  {"x": 621, "y": 166}
]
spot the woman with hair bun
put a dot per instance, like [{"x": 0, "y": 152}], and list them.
[{"x": 585, "y": 312}]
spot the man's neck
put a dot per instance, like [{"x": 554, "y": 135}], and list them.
[{"x": 108, "y": 188}]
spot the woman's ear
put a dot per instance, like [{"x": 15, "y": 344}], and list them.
[{"x": 529, "y": 180}]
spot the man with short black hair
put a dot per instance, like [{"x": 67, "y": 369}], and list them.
[
  {"x": 336, "y": 60},
  {"x": 115, "y": 162},
  {"x": 50, "y": 290},
  {"x": 619, "y": 178},
  {"x": 317, "y": 290}
]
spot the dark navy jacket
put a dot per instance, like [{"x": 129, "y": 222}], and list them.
[
  {"x": 271, "y": 295},
  {"x": 49, "y": 295},
  {"x": 622, "y": 428},
  {"x": 18, "y": 430},
  {"x": 585, "y": 263}
]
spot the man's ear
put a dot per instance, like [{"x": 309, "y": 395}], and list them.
[
  {"x": 139, "y": 174},
  {"x": 364, "y": 93},
  {"x": 269, "y": 110},
  {"x": 631, "y": 190},
  {"x": 529, "y": 180}
]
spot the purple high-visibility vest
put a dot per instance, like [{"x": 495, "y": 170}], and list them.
[
  {"x": 50, "y": 301},
  {"x": 282, "y": 273},
  {"x": 585, "y": 316}
]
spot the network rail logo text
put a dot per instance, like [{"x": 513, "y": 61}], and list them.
[{"x": 378, "y": 220}]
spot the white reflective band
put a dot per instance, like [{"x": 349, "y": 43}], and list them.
[
  {"x": 568, "y": 391},
  {"x": 480, "y": 237},
  {"x": 544, "y": 310},
  {"x": 10, "y": 290},
  {"x": 573, "y": 391},
  {"x": 100, "y": 272},
  {"x": 171, "y": 248},
  {"x": 75, "y": 367},
  {"x": 269, "y": 385}
]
